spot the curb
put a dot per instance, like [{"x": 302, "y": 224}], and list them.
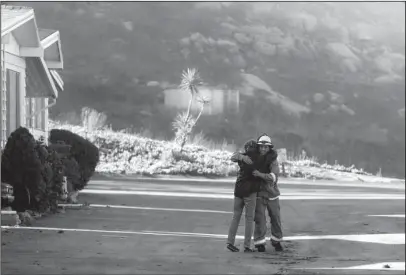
[
  {"x": 71, "y": 205},
  {"x": 10, "y": 218},
  {"x": 197, "y": 179},
  {"x": 163, "y": 178},
  {"x": 8, "y": 212}
]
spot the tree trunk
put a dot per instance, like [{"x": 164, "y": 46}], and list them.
[
  {"x": 200, "y": 113},
  {"x": 182, "y": 144},
  {"x": 189, "y": 108}
]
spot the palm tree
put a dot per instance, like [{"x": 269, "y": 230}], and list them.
[
  {"x": 190, "y": 81},
  {"x": 185, "y": 122}
]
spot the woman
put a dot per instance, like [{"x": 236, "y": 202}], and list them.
[{"x": 245, "y": 195}]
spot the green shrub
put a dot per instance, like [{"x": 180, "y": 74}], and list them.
[
  {"x": 21, "y": 167},
  {"x": 34, "y": 170},
  {"x": 55, "y": 164},
  {"x": 52, "y": 171},
  {"x": 83, "y": 151},
  {"x": 178, "y": 156},
  {"x": 45, "y": 182}
]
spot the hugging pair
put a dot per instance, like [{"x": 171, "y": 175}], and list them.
[{"x": 256, "y": 190}]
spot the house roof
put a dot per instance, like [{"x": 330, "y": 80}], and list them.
[
  {"x": 44, "y": 33},
  {"x": 21, "y": 22},
  {"x": 58, "y": 79},
  {"x": 51, "y": 43},
  {"x": 14, "y": 16},
  {"x": 39, "y": 79},
  {"x": 48, "y": 37}
]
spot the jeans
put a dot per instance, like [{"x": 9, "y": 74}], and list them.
[
  {"x": 273, "y": 208},
  {"x": 239, "y": 204}
]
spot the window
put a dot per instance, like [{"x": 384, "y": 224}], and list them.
[
  {"x": 40, "y": 113},
  {"x": 35, "y": 106},
  {"x": 29, "y": 110},
  {"x": 13, "y": 100}
]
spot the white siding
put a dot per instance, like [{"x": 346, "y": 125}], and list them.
[
  {"x": 11, "y": 61},
  {"x": 12, "y": 46},
  {"x": 3, "y": 99}
]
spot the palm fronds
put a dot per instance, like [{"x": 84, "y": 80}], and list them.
[{"x": 190, "y": 81}]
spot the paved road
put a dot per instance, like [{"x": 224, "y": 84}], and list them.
[{"x": 154, "y": 227}]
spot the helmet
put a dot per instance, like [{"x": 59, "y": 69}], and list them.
[{"x": 265, "y": 140}]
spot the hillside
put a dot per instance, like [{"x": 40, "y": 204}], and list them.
[{"x": 327, "y": 78}]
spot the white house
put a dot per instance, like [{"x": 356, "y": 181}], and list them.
[
  {"x": 220, "y": 100},
  {"x": 30, "y": 83}
]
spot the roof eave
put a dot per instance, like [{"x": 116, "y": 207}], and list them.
[
  {"x": 47, "y": 42},
  {"x": 50, "y": 79},
  {"x": 50, "y": 39},
  {"x": 24, "y": 19},
  {"x": 58, "y": 79}
]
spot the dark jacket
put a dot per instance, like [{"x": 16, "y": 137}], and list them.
[
  {"x": 246, "y": 183},
  {"x": 269, "y": 164}
]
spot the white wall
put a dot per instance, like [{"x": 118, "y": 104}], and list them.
[
  {"x": 12, "y": 61},
  {"x": 3, "y": 103},
  {"x": 180, "y": 99},
  {"x": 176, "y": 98}
]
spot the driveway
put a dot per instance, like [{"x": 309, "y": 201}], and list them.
[{"x": 151, "y": 226}]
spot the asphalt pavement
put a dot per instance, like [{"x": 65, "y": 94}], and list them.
[{"x": 158, "y": 226}]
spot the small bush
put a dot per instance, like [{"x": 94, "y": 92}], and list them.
[
  {"x": 21, "y": 167},
  {"x": 33, "y": 170},
  {"x": 83, "y": 151},
  {"x": 178, "y": 156}
]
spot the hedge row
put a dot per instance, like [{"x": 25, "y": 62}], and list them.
[
  {"x": 36, "y": 171},
  {"x": 85, "y": 153}
]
